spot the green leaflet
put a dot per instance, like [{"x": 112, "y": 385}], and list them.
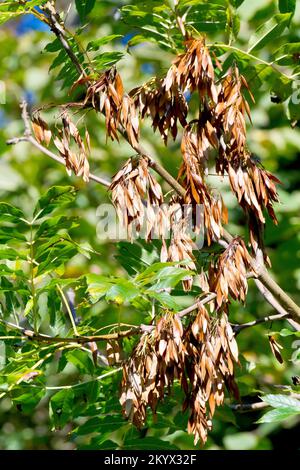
[
  {"x": 278, "y": 415},
  {"x": 61, "y": 405},
  {"x": 84, "y": 7},
  {"x": 269, "y": 31},
  {"x": 285, "y": 407},
  {"x": 55, "y": 197},
  {"x": 281, "y": 401},
  {"x": 287, "y": 6},
  {"x": 98, "y": 43}
]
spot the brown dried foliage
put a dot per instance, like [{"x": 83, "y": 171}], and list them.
[
  {"x": 41, "y": 130},
  {"x": 275, "y": 348},
  {"x": 164, "y": 103},
  {"x": 194, "y": 147},
  {"x": 201, "y": 357},
  {"x": 107, "y": 95},
  {"x": 229, "y": 275},
  {"x": 194, "y": 70},
  {"x": 254, "y": 187},
  {"x": 138, "y": 197},
  {"x": 211, "y": 354},
  {"x": 75, "y": 161},
  {"x": 151, "y": 369}
]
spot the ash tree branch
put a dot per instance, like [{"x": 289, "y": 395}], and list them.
[
  {"x": 263, "y": 276},
  {"x": 238, "y": 328},
  {"x": 246, "y": 407},
  {"x": 57, "y": 26},
  {"x": 269, "y": 297},
  {"x": 135, "y": 330}
]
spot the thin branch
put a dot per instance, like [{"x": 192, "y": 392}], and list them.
[
  {"x": 238, "y": 328},
  {"x": 99, "y": 378},
  {"x": 58, "y": 29},
  {"x": 285, "y": 301},
  {"x": 275, "y": 304},
  {"x": 195, "y": 306},
  {"x": 135, "y": 330},
  {"x": 269, "y": 297},
  {"x": 82, "y": 339},
  {"x": 245, "y": 407}
]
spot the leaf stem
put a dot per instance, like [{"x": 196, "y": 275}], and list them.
[
  {"x": 66, "y": 303},
  {"x": 251, "y": 56}
]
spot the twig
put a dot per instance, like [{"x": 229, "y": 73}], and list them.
[
  {"x": 193, "y": 307},
  {"x": 65, "y": 301},
  {"x": 57, "y": 27},
  {"x": 280, "y": 297},
  {"x": 135, "y": 330},
  {"x": 287, "y": 303},
  {"x": 99, "y": 378},
  {"x": 238, "y": 328},
  {"x": 245, "y": 407},
  {"x": 275, "y": 304}
]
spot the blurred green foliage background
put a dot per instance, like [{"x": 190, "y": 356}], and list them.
[{"x": 25, "y": 175}]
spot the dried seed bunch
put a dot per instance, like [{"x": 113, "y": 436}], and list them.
[
  {"x": 181, "y": 245},
  {"x": 138, "y": 199},
  {"x": 202, "y": 357},
  {"x": 75, "y": 161},
  {"x": 151, "y": 369},
  {"x": 194, "y": 70},
  {"x": 163, "y": 99},
  {"x": 230, "y": 112},
  {"x": 113, "y": 352},
  {"x": 164, "y": 103},
  {"x": 211, "y": 354},
  {"x": 229, "y": 275},
  {"x": 40, "y": 129},
  {"x": 254, "y": 187},
  {"x": 107, "y": 95}
]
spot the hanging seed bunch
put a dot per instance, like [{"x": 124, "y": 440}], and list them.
[
  {"x": 151, "y": 369},
  {"x": 181, "y": 245},
  {"x": 254, "y": 187},
  {"x": 201, "y": 357},
  {"x": 194, "y": 70},
  {"x": 107, "y": 95},
  {"x": 191, "y": 175},
  {"x": 75, "y": 161},
  {"x": 165, "y": 103},
  {"x": 229, "y": 275},
  {"x": 40, "y": 129},
  {"x": 138, "y": 199},
  {"x": 65, "y": 138},
  {"x": 211, "y": 354}
]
